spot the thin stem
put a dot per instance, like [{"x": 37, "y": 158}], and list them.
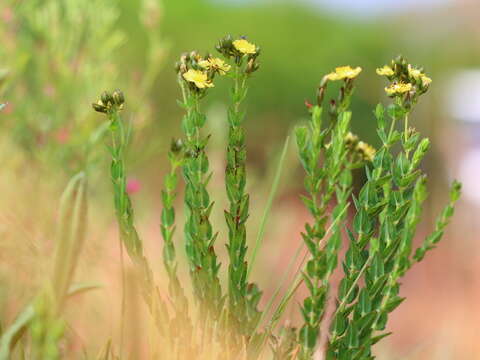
[
  {"x": 352, "y": 287},
  {"x": 123, "y": 304},
  {"x": 268, "y": 207}
]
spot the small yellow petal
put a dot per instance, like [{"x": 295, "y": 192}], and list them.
[
  {"x": 244, "y": 46},
  {"x": 426, "y": 81},
  {"x": 344, "y": 72},
  {"x": 414, "y": 73},
  {"x": 199, "y": 78},
  {"x": 385, "y": 71},
  {"x": 398, "y": 88}
]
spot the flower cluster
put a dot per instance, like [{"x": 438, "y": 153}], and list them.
[
  {"x": 406, "y": 81},
  {"x": 109, "y": 102},
  {"x": 198, "y": 72},
  {"x": 365, "y": 151},
  {"x": 240, "y": 50}
]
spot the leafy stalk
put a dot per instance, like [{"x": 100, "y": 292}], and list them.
[
  {"x": 199, "y": 234},
  {"x": 243, "y": 297},
  {"x": 111, "y": 105},
  {"x": 323, "y": 181},
  {"x": 167, "y": 227},
  {"x": 388, "y": 210}
]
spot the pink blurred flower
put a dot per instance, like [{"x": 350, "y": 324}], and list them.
[
  {"x": 133, "y": 186},
  {"x": 7, "y": 15},
  {"x": 62, "y": 135},
  {"x": 49, "y": 90}
]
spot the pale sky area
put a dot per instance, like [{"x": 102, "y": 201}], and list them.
[
  {"x": 358, "y": 7},
  {"x": 376, "y": 7}
]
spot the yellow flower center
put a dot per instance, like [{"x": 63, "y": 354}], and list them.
[
  {"x": 244, "y": 46},
  {"x": 398, "y": 88},
  {"x": 215, "y": 64},
  {"x": 199, "y": 78},
  {"x": 344, "y": 72}
]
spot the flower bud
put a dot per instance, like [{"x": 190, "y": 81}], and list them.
[
  {"x": 118, "y": 97},
  {"x": 176, "y": 146},
  {"x": 106, "y": 98},
  {"x": 99, "y": 107}
]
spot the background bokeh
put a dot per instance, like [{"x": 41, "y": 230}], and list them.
[{"x": 57, "y": 56}]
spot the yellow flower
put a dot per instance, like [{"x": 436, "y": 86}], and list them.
[
  {"x": 244, "y": 46},
  {"x": 199, "y": 78},
  {"x": 398, "y": 88},
  {"x": 351, "y": 139},
  {"x": 414, "y": 73},
  {"x": 367, "y": 151},
  {"x": 215, "y": 64},
  {"x": 385, "y": 71},
  {"x": 426, "y": 81},
  {"x": 344, "y": 72}
]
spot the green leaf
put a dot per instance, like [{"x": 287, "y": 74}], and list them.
[
  {"x": 380, "y": 115},
  {"x": 352, "y": 336},
  {"x": 364, "y": 301},
  {"x": 377, "y": 338}
]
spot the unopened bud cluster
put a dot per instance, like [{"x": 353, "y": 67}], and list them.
[{"x": 109, "y": 102}]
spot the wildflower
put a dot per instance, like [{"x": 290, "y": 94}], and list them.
[
  {"x": 367, "y": 151},
  {"x": 244, "y": 46},
  {"x": 215, "y": 64},
  {"x": 133, "y": 186},
  {"x": 398, "y": 88},
  {"x": 199, "y": 78},
  {"x": 414, "y": 73},
  {"x": 426, "y": 81},
  {"x": 385, "y": 71},
  {"x": 344, "y": 72},
  {"x": 351, "y": 139}
]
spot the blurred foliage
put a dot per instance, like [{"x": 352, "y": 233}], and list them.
[{"x": 67, "y": 58}]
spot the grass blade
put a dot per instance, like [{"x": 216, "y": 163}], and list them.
[{"x": 271, "y": 196}]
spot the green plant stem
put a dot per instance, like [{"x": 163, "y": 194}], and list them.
[
  {"x": 199, "y": 234},
  {"x": 167, "y": 227},
  {"x": 127, "y": 231},
  {"x": 243, "y": 315}
]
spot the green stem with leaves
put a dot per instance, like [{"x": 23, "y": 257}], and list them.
[
  {"x": 322, "y": 182},
  {"x": 111, "y": 105},
  {"x": 243, "y": 297},
  {"x": 199, "y": 234}
]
